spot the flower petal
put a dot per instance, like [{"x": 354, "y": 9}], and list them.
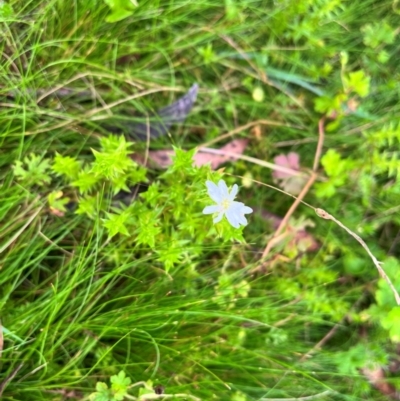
[
  {"x": 214, "y": 192},
  {"x": 242, "y": 220},
  {"x": 236, "y": 205},
  {"x": 218, "y": 218},
  {"x": 211, "y": 209},
  {"x": 233, "y": 217},
  {"x": 223, "y": 189},
  {"x": 247, "y": 210},
  {"x": 233, "y": 192}
]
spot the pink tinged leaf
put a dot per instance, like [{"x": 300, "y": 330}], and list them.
[
  {"x": 289, "y": 182},
  {"x": 204, "y": 156},
  {"x": 163, "y": 158},
  {"x": 201, "y": 158},
  {"x": 292, "y": 161}
]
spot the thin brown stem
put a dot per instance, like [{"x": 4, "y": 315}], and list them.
[{"x": 304, "y": 191}]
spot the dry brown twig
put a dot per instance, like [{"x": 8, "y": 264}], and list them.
[
  {"x": 325, "y": 215},
  {"x": 303, "y": 192},
  {"x": 9, "y": 378},
  {"x": 247, "y": 126}
]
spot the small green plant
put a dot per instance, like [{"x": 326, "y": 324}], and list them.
[
  {"x": 147, "y": 220},
  {"x": 116, "y": 392},
  {"x": 121, "y": 386},
  {"x": 33, "y": 171},
  {"x": 120, "y": 9}
]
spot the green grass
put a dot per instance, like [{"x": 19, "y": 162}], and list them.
[{"x": 78, "y": 307}]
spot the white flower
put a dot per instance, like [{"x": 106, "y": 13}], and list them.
[{"x": 225, "y": 204}]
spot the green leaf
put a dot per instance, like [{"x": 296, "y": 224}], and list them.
[
  {"x": 115, "y": 223},
  {"x": 118, "y": 15},
  {"x": 6, "y": 11},
  {"x": 86, "y": 181},
  {"x": 102, "y": 393},
  {"x": 88, "y": 206},
  {"x": 182, "y": 161},
  {"x": 330, "y": 104},
  {"x": 56, "y": 201},
  {"x": 384, "y": 295},
  {"x": 137, "y": 174},
  {"x": 111, "y": 165},
  {"x": 119, "y": 385},
  {"x": 65, "y": 165},
  {"x": 325, "y": 189},
  {"x": 392, "y": 323},
  {"x": 378, "y": 33},
  {"x": 115, "y": 143},
  {"x": 173, "y": 254},
  {"x": 121, "y": 9},
  {"x": 239, "y": 396},
  {"x": 148, "y": 229},
  {"x": 152, "y": 195},
  {"x": 383, "y": 56},
  {"x": 207, "y": 53},
  {"x": 119, "y": 183},
  {"x": 33, "y": 170},
  {"x": 333, "y": 164},
  {"x": 114, "y": 159},
  {"x": 358, "y": 82},
  {"x": 358, "y": 357}
]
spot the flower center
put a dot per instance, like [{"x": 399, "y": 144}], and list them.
[{"x": 225, "y": 204}]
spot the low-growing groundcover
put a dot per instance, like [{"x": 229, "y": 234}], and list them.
[{"x": 113, "y": 283}]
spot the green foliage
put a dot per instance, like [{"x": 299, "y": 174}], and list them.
[
  {"x": 6, "y": 10},
  {"x": 120, "y": 9},
  {"x": 102, "y": 393},
  {"x": 118, "y": 391},
  {"x": 385, "y": 311},
  {"x": 357, "y": 82},
  {"x": 391, "y": 322},
  {"x": 229, "y": 291},
  {"x": 114, "y": 159},
  {"x": 57, "y": 202},
  {"x": 34, "y": 170},
  {"x": 361, "y": 356},
  {"x": 119, "y": 385},
  {"x": 115, "y": 223},
  {"x": 149, "y": 219},
  {"x": 337, "y": 170},
  {"x": 378, "y": 33},
  {"x": 207, "y": 53},
  {"x": 86, "y": 181},
  {"x": 66, "y": 165},
  {"x": 107, "y": 265}
]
